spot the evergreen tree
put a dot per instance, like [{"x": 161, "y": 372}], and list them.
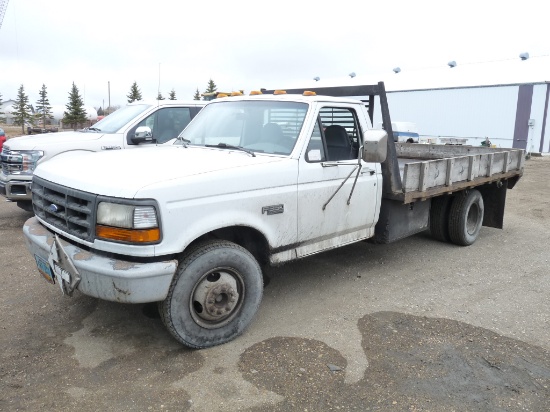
[
  {"x": 135, "y": 93},
  {"x": 75, "y": 113},
  {"x": 197, "y": 95},
  {"x": 211, "y": 87},
  {"x": 21, "y": 110},
  {"x": 159, "y": 96},
  {"x": 43, "y": 108},
  {"x": 172, "y": 95},
  {"x": 100, "y": 111}
]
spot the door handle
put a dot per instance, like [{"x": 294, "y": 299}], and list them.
[{"x": 371, "y": 171}]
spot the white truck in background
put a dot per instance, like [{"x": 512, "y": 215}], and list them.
[
  {"x": 254, "y": 180},
  {"x": 404, "y": 132},
  {"x": 132, "y": 126}
]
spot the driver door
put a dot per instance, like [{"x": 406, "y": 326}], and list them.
[{"x": 337, "y": 191}]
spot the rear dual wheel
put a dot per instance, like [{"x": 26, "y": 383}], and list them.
[
  {"x": 466, "y": 217},
  {"x": 457, "y": 219},
  {"x": 214, "y": 295},
  {"x": 439, "y": 218}
]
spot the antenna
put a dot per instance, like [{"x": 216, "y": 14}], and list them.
[
  {"x": 158, "y": 90},
  {"x": 3, "y": 7}
]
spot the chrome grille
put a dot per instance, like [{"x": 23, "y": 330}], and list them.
[{"x": 69, "y": 210}]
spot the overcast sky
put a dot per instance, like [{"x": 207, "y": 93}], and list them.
[{"x": 273, "y": 44}]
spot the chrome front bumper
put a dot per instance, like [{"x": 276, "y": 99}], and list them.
[{"x": 16, "y": 190}]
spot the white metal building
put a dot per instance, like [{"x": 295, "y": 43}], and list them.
[
  {"x": 508, "y": 115},
  {"x": 512, "y": 115}
]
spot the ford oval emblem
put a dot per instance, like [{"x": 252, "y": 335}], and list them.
[{"x": 52, "y": 208}]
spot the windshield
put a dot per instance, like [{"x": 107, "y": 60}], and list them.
[
  {"x": 260, "y": 126},
  {"x": 120, "y": 118}
]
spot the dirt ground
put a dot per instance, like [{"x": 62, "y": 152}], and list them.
[{"x": 418, "y": 325}]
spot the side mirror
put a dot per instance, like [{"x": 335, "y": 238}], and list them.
[
  {"x": 375, "y": 148},
  {"x": 142, "y": 134}
]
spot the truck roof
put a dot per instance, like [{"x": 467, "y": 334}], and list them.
[
  {"x": 290, "y": 97},
  {"x": 169, "y": 103}
]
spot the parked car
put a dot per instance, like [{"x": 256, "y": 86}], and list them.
[
  {"x": 2, "y": 138},
  {"x": 135, "y": 125}
]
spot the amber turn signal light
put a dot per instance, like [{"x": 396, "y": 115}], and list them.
[{"x": 128, "y": 235}]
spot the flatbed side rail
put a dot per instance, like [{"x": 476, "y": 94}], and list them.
[{"x": 429, "y": 173}]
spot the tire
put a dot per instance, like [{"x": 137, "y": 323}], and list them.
[
  {"x": 215, "y": 294},
  {"x": 466, "y": 217},
  {"x": 439, "y": 218}
]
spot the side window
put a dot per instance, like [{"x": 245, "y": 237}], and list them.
[
  {"x": 170, "y": 123},
  {"x": 341, "y": 133},
  {"x": 316, "y": 149},
  {"x": 167, "y": 123}
]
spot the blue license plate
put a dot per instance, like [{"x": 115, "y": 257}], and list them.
[{"x": 44, "y": 268}]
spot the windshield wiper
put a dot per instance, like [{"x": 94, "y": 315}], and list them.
[
  {"x": 93, "y": 129},
  {"x": 229, "y": 146}
]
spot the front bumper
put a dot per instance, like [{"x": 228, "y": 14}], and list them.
[
  {"x": 100, "y": 276},
  {"x": 16, "y": 190}
]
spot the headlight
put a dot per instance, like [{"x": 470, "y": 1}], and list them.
[
  {"x": 22, "y": 161},
  {"x": 127, "y": 223}
]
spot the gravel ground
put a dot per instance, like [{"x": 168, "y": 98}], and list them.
[{"x": 418, "y": 325}]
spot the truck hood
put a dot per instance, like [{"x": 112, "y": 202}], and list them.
[
  {"x": 123, "y": 173},
  {"x": 47, "y": 140}
]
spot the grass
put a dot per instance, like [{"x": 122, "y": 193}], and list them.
[{"x": 11, "y": 131}]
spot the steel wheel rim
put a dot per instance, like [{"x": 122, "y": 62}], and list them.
[{"x": 217, "y": 298}]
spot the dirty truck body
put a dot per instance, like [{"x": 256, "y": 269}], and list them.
[{"x": 251, "y": 181}]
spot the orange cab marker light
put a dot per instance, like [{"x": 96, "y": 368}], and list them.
[
  {"x": 128, "y": 235},
  {"x": 236, "y": 94},
  {"x": 279, "y": 92},
  {"x": 255, "y": 92},
  {"x": 309, "y": 93},
  {"x": 219, "y": 96}
]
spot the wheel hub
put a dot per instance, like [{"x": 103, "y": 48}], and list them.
[{"x": 216, "y": 297}]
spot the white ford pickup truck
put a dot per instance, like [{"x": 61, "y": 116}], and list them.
[
  {"x": 253, "y": 180},
  {"x": 160, "y": 121}
]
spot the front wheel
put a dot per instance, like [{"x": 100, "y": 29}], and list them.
[
  {"x": 466, "y": 217},
  {"x": 215, "y": 294}
]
